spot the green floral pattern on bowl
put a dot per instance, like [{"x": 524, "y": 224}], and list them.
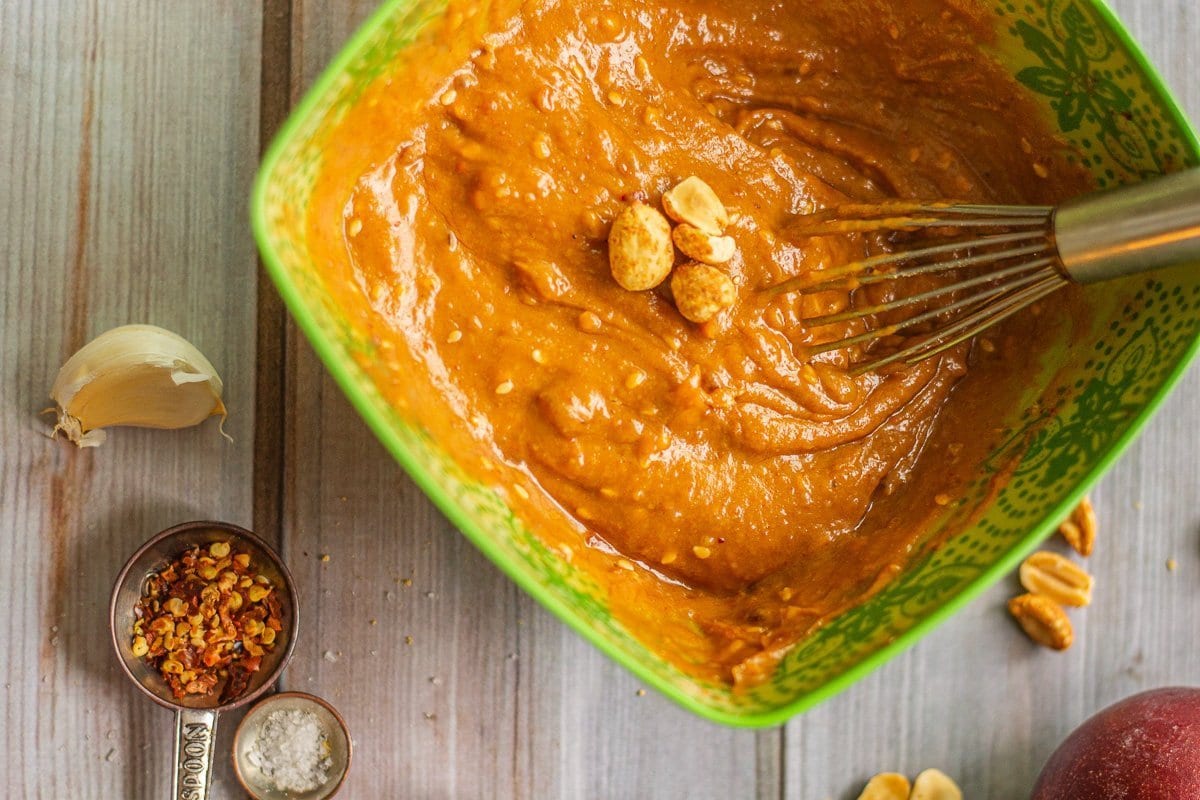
[{"x": 1107, "y": 102}]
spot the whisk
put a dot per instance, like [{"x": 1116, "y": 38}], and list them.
[{"x": 1002, "y": 259}]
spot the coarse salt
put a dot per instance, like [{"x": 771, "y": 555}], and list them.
[{"x": 292, "y": 751}]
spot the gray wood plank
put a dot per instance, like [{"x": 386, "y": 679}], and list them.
[
  {"x": 975, "y": 698},
  {"x": 494, "y": 698},
  {"x": 272, "y": 319},
  {"x": 408, "y": 631},
  {"x": 980, "y": 702},
  {"x": 584, "y": 731},
  {"x": 128, "y": 140}
]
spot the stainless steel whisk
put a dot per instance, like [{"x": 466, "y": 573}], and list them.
[{"x": 1006, "y": 257}]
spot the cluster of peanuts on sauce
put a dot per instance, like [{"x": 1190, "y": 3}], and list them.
[{"x": 641, "y": 249}]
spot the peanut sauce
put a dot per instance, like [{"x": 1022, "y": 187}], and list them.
[{"x": 728, "y": 492}]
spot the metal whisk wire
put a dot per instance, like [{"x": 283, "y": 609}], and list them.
[
  {"x": 1002, "y": 259},
  {"x": 1011, "y": 242}
]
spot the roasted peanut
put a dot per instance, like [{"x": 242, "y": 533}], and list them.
[
  {"x": 693, "y": 201},
  {"x": 1080, "y": 528},
  {"x": 934, "y": 784},
  {"x": 1061, "y": 580},
  {"x": 1043, "y": 619},
  {"x": 702, "y": 246},
  {"x": 886, "y": 786},
  {"x": 640, "y": 254},
  {"x": 701, "y": 292}
]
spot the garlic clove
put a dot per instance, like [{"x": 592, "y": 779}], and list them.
[{"x": 138, "y": 375}]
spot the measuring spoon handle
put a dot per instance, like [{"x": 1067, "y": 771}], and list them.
[{"x": 195, "y": 739}]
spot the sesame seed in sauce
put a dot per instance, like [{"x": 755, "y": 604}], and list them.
[{"x": 589, "y": 322}]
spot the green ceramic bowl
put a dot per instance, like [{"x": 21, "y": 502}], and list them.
[{"x": 1075, "y": 56}]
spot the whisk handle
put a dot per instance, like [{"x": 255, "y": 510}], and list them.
[{"x": 1132, "y": 229}]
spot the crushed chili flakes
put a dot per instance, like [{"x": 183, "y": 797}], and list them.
[{"x": 207, "y": 620}]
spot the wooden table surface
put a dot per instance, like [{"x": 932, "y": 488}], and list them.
[{"x": 129, "y": 135}]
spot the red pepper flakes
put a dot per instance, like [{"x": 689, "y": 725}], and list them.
[{"x": 206, "y": 621}]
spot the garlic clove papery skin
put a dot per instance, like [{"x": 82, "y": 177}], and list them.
[{"x": 137, "y": 375}]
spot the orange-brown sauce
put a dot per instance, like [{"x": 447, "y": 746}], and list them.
[{"x": 730, "y": 492}]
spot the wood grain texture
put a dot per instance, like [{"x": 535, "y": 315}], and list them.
[
  {"x": 275, "y": 101},
  {"x": 129, "y": 133},
  {"x": 974, "y": 698},
  {"x": 494, "y": 697},
  {"x": 582, "y": 731},
  {"x": 127, "y": 145}
]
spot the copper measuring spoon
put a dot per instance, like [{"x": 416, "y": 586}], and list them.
[{"x": 196, "y": 718}]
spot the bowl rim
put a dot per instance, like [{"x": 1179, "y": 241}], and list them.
[
  {"x": 345, "y": 372},
  {"x": 311, "y": 698}
]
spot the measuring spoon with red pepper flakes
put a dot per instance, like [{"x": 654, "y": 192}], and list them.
[{"x": 173, "y": 579}]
